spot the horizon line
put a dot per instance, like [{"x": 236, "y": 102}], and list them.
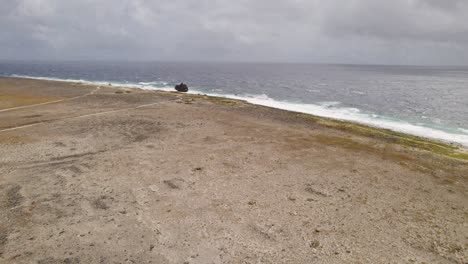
[{"x": 227, "y": 62}]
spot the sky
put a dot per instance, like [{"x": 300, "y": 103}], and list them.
[{"x": 416, "y": 32}]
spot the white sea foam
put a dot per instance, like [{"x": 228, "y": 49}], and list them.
[
  {"x": 50, "y": 78},
  {"x": 324, "y": 109}
]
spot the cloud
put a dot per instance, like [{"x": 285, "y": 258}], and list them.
[
  {"x": 401, "y": 20},
  {"x": 352, "y": 31}
]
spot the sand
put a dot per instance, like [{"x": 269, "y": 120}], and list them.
[{"x": 119, "y": 175}]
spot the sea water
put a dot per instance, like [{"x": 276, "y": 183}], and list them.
[{"x": 425, "y": 101}]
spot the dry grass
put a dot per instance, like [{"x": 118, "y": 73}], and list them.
[
  {"x": 15, "y": 100},
  {"x": 14, "y": 139}
]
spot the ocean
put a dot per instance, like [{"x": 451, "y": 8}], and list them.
[{"x": 425, "y": 101}]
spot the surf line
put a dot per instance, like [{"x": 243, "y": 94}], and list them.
[
  {"x": 81, "y": 116},
  {"x": 51, "y": 102}
]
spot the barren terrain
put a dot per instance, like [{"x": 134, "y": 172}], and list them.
[{"x": 94, "y": 174}]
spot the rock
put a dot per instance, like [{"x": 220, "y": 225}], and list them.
[
  {"x": 314, "y": 244},
  {"x": 252, "y": 202},
  {"x": 182, "y": 87}
]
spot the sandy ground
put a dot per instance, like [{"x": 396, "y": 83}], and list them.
[{"x": 113, "y": 175}]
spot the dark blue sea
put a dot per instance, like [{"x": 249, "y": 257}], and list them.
[{"x": 425, "y": 101}]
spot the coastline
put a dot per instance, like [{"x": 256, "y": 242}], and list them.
[
  {"x": 435, "y": 145},
  {"x": 93, "y": 173},
  {"x": 344, "y": 114}
]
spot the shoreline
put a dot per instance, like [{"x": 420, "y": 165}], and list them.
[
  {"x": 402, "y": 127},
  {"x": 438, "y": 146},
  {"x": 92, "y": 174}
]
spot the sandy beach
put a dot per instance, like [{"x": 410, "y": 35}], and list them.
[{"x": 100, "y": 174}]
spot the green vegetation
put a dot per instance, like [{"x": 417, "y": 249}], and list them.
[
  {"x": 389, "y": 136},
  {"x": 223, "y": 101}
]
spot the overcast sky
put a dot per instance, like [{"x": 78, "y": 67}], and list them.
[{"x": 330, "y": 31}]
